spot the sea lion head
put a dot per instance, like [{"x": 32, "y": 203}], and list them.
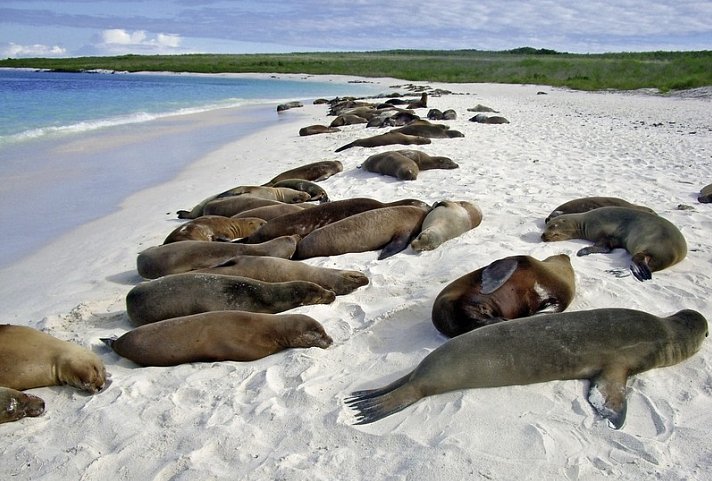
[
  {"x": 86, "y": 372},
  {"x": 563, "y": 227},
  {"x": 307, "y": 332},
  {"x": 16, "y": 405}
]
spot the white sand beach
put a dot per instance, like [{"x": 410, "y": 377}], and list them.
[{"x": 283, "y": 417}]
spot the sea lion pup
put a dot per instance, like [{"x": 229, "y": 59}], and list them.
[
  {"x": 16, "y": 405},
  {"x": 389, "y": 138},
  {"x": 158, "y": 261},
  {"x": 214, "y": 228},
  {"x": 304, "y": 222},
  {"x": 431, "y": 131},
  {"x": 584, "y": 204},
  {"x": 705, "y": 196},
  {"x": 419, "y": 104},
  {"x": 269, "y": 212},
  {"x": 387, "y": 228},
  {"x": 316, "y": 191},
  {"x": 447, "y": 220},
  {"x": 508, "y": 288},
  {"x": 272, "y": 269},
  {"x": 605, "y": 346},
  {"x": 393, "y": 164},
  {"x": 218, "y": 336},
  {"x": 189, "y": 293},
  {"x": 428, "y": 162},
  {"x": 30, "y": 358},
  {"x": 314, "y": 171},
  {"x": 654, "y": 242},
  {"x": 236, "y": 204},
  {"x": 317, "y": 129}
]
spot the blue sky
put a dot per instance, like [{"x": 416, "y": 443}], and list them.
[{"x": 112, "y": 27}]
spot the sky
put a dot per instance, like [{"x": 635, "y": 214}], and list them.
[{"x": 72, "y": 28}]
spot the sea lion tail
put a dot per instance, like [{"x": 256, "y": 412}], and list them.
[
  {"x": 374, "y": 404},
  {"x": 109, "y": 341}
]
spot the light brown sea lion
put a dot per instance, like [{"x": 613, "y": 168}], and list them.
[
  {"x": 389, "y": 138},
  {"x": 158, "y": 261},
  {"x": 347, "y": 119},
  {"x": 392, "y": 164},
  {"x": 16, "y": 405},
  {"x": 272, "y": 269},
  {"x": 387, "y": 228},
  {"x": 316, "y": 191},
  {"x": 269, "y": 212},
  {"x": 304, "y": 222},
  {"x": 214, "y": 228},
  {"x": 218, "y": 336},
  {"x": 189, "y": 293},
  {"x": 199, "y": 209},
  {"x": 431, "y": 131},
  {"x": 236, "y": 204},
  {"x": 606, "y": 346},
  {"x": 314, "y": 171},
  {"x": 317, "y": 129},
  {"x": 654, "y": 242},
  {"x": 447, "y": 220},
  {"x": 282, "y": 194},
  {"x": 30, "y": 358},
  {"x": 584, "y": 204},
  {"x": 428, "y": 162},
  {"x": 705, "y": 196},
  {"x": 508, "y": 288}
]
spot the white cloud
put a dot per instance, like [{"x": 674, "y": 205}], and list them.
[
  {"x": 14, "y": 50},
  {"x": 120, "y": 41}
]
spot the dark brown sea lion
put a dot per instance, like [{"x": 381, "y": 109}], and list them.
[
  {"x": 484, "y": 119},
  {"x": 606, "y": 346},
  {"x": 316, "y": 191},
  {"x": 16, "y": 405},
  {"x": 289, "y": 105},
  {"x": 215, "y": 228},
  {"x": 186, "y": 256},
  {"x": 654, "y": 242},
  {"x": 392, "y": 164},
  {"x": 447, "y": 220},
  {"x": 218, "y": 336},
  {"x": 30, "y": 358},
  {"x": 705, "y": 196},
  {"x": 431, "y": 131},
  {"x": 302, "y": 223},
  {"x": 419, "y": 104},
  {"x": 269, "y": 212},
  {"x": 387, "y": 228},
  {"x": 428, "y": 162},
  {"x": 389, "y": 138},
  {"x": 282, "y": 194},
  {"x": 584, "y": 204},
  {"x": 272, "y": 269},
  {"x": 189, "y": 293},
  {"x": 317, "y": 129},
  {"x": 508, "y": 288},
  {"x": 314, "y": 171},
  {"x": 236, "y": 204}
]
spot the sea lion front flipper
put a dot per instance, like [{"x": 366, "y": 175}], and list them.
[
  {"x": 497, "y": 273},
  {"x": 640, "y": 268},
  {"x": 601, "y": 247},
  {"x": 607, "y": 395},
  {"x": 398, "y": 242}
]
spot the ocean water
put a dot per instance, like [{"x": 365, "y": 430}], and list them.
[{"x": 74, "y": 145}]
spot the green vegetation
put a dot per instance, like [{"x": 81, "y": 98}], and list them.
[{"x": 622, "y": 71}]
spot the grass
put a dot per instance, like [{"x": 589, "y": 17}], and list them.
[{"x": 621, "y": 71}]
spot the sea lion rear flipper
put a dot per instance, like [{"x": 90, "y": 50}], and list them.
[
  {"x": 497, "y": 273},
  {"x": 374, "y": 404},
  {"x": 607, "y": 395},
  {"x": 398, "y": 242},
  {"x": 109, "y": 341}
]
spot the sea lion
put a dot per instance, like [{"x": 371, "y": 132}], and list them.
[
  {"x": 236, "y": 204},
  {"x": 389, "y": 138},
  {"x": 289, "y": 105},
  {"x": 158, "y": 261},
  {"x": 189, "y": 293},
  {"x": 606, "y": 346},
  {"x": 484, "y": 119},
  {"x": 16, "y": 405},
  {"x": 316, "y": 191},
  {"x": 314, "y": 171},
  {"x": 508, "y": 288},
  {"x": 387, "y": 228},
  {"x": 584, "y": 204},
  {"x": 428, "y": 162},
  {"x": 435, "y": 114},
  {"x": 269, "y": 212},
  {"x": 317, "y": 129},
  {"x": 218, "y": 336},
  {"x": 392, "y": 164},
  {"x": 282, "y": 194},
  {"x": 272, "y": 269},
  {"x": 199, "y": 209},
  {"x": 419, "y": 104},
  {"x": 447, "y": 220},
  {"x": 431, "y": 131},
  {"x": 705, "y": 196},
  {"x": 654, "y": 242},
  {"x": 214, "y": 228},
  {"x": 304, "y": 222},
  {"x": 30, "y": 358},
  {"x": 347, "y": 119}
]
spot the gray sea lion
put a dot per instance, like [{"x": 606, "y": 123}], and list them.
[
  {"x": 508, "y": 288},
  {"x": 705, "y": 196},
  {"x": 214, "y": 228},
  {"x": 269, "y": 212},
  {"x": 584, "y": 204},
  {"x": 447, "y": 220},
  {"x": 387, "y": 228},
  {"x": 484, "y": 119},
  {"x": 16, "y": 405},
  {"x": 392, "y": 164},
  {"x": 449, "y": 114},
  {"x": 158, "y": 261},
  {"x": 272, "y": 269},
  {"x": 605, "y": 346},
  {"x": 189, "y": 293},
  {"x": 435, "y": 114},
  {"x": 389, "y": 138},
  {"x": 316, "y": 191},
  {"x": 314, "y": 171},
  {"x": 218, "y": 336},
  {"x": 654, "y": 242},
  {"x": 304, "y": 222},
  {"x": 482, "y": 108},
  {"x": 317, "y": 129},
  {"x": 431, "y": 131},
  {"x": 428, "y": 162},
  {"x": 30, "y": 358},
  {"x": 289, "y": 105}
]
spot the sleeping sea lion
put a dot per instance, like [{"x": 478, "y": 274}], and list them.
[
  {"x": 389, "y": 138},
  {"x": 16, "y": 405},
  {"x": 584, "y": 204},
  {"x": 314, "y": 171},
  {"x": 447, "y": 220},
  {"x": 214, "y": 228}
]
